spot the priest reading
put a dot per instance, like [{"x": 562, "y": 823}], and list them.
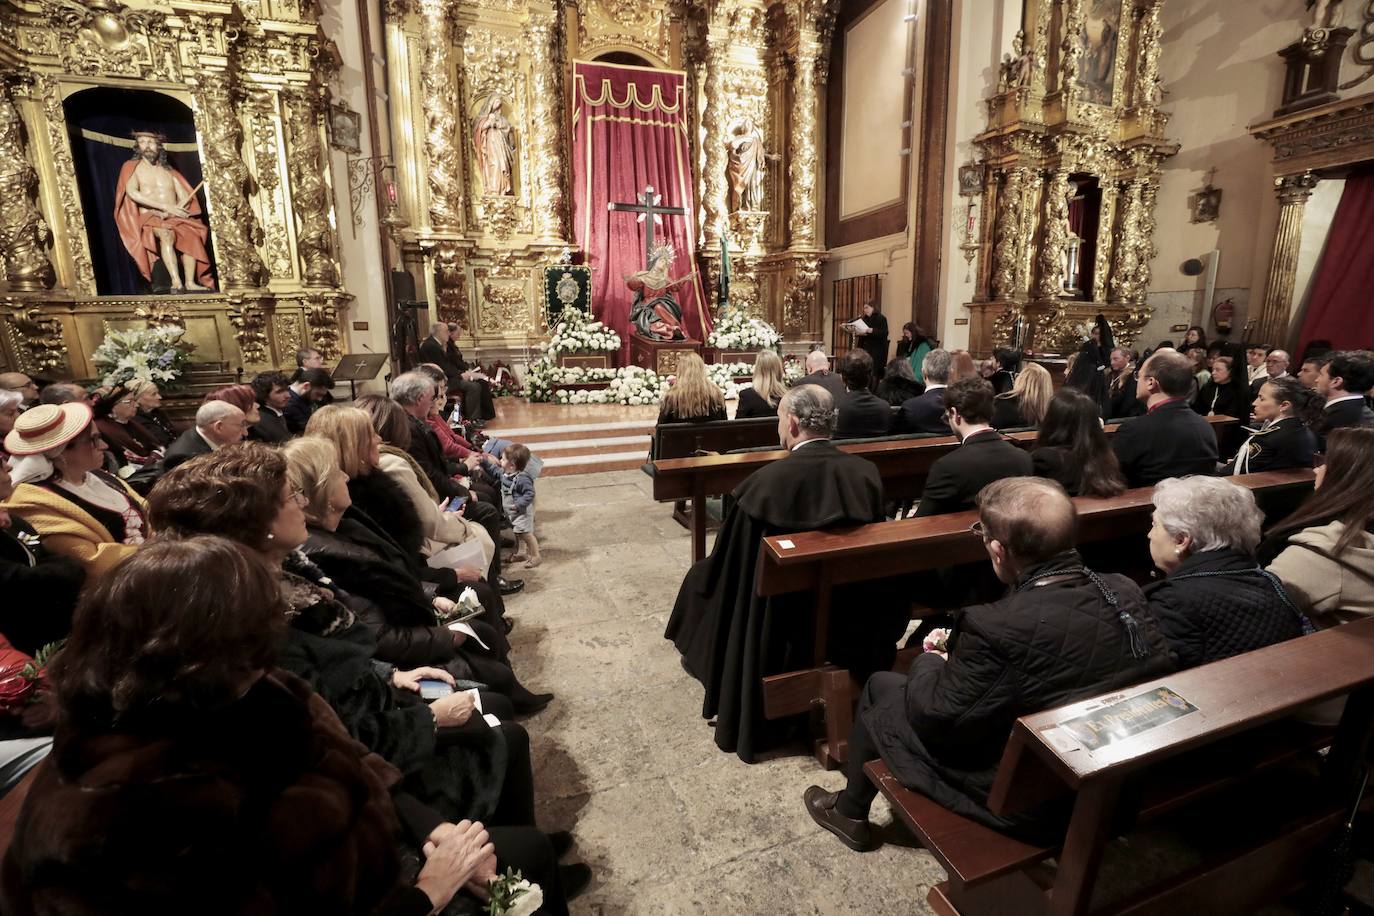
[{"x": 730, "y": 638}]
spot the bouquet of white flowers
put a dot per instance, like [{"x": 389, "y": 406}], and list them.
[
  {"x": 512, "y": 895},
  {"x": 577, "y": 333},
  {"x": 735, "y": 330},
  {"x": 158, "y": 354}
]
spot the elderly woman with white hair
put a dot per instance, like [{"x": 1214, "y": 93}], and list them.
[
  {"x": 80, "y": 511},
  {"x": 1215, "y": 600}
]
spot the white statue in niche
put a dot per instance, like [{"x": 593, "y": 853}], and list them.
[{"x": 494, "y": 146}]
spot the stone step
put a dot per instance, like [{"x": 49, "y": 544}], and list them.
[
  {"x": 572, "y": 432},
  {"x": 599, "y": 446},
  {"x": 593, "y": 464}
]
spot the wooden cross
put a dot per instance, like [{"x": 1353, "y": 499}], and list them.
[{"x": 648, "y": 207}]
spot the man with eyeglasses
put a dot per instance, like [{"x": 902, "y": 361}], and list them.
[
  {"x": 218, "y": 423},
  {"x": 1063, "y": 633},
  {"x": 22, "y": 385}
]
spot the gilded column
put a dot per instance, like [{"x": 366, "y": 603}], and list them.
[
  {"x": 1147, "y": 72},
  {"x": 309, "y": 196},
  {"x": 1071, "y": 46},
  {"x": 1030, "y": 216},
  {"x": 27, "y": 267},
  {"x": 1126, "y": 263},
  {"x": 1145, "y": 254},
  {"x": 801, "y": 172},
  {"x": 546, "y": 119},
  {"x": 1275, "y": 313},
  {"x": 227, "y": 181},
  {"x": 440, "y": 104},
  {"x": 1056, "y": 236},
  {"x": 1004, "y": 253},
  {"x": 1102, "y": 263},
  {"x": 713, "y": 120}
]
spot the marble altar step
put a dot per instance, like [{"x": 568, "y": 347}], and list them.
[{"x": 601, "y": 441}]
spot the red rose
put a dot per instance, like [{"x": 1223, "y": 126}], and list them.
[{"x": 15, "y": 690}]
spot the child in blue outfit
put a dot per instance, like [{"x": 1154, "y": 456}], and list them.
[{"x": 517, "y": 498}]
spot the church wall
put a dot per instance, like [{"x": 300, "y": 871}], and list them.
[{"x": 871, "y": 135}]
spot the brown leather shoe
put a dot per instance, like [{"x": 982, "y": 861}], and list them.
[{"x": 856, "y": 834}]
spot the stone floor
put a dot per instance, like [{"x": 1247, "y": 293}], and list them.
[{"x": 669, "y": 823}]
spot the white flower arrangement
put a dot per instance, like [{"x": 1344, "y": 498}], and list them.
[
  {"x": 631, "y": 385},
  {"x": 158, "y": 354},
  {"x": 513, "y": 895},
  {"x": 577, "y": 333},
  {"x": 735, "y": 330}
]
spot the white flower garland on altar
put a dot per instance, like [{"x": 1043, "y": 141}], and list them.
[{"x": 734, "y": 330}]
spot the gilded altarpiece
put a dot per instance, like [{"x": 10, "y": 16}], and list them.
[
  {"x": 252, "y": 73},
  {"x": 458, "y": 66},
  {"x": 1077, "y": 105}
]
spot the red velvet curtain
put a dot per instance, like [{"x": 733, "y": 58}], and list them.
[
  {"x": 1338, "y": 309},
  {"x": 630, "y": 132}
]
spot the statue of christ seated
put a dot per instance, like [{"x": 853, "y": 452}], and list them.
[{"x": 654, "y": 312}]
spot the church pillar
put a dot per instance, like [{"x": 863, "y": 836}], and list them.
[
  {"x": 304, "y": 107},
  {"x": 226, "y": 180},
  {"x": 1102, "y": 263},
  {"x": 1275, "y": 312},
  {"x": 26, "y": 264},
  {"x": 802, "y": 177},
  {"x": 1126, "y": 263},
  {"x": 1004, "y": 253},
  {"x": 440, "y": 104},
  {"x": 713, "y": 195},
  {"x": 546, "y": 118},
  {"x": 1056, "y": 238}
]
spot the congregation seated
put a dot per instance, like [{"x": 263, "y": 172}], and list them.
[
  {"x": 1344, "y": 380},
  {"x": 308, "y": 391},
  {"x": 1023, "y": 404},
  {"x": 730, "y": 638},
  {"x": 1120, "y": 400},
  {"x": 187, "y": 767},
  {"x": 1287, "y": 410},
  {"x": 80, "y": 511},
  {"x": 477, "y": 404},
  {"x": 40, "y": 587},
  {"x": 116, "y": 417},
  {"x": 694, "y": 398},
  {"x": 1324, "y": 552},
  {"x": 64, "y": 393},
  {"x": 476, "y": 464},
  {"x": 761, "y": 398},
  {"x": 151, "y": 415},
  {"x": 1310, "y": 370},
  {"x": 1215, "y": 601},
  {"x": 1169, "y": 440},
  {"x": 925, "y": 413},
  {"x": 1226, "y": 393},
  {"x": 472, "y": 393},
  {"x": 1276, "y": 363},
  {"x": 899, "y": 383},
  {"x": 218, "y": 423},
  {"x": 818, "y": 373},
  {"x": 1062, "y": 633},
  {"x": 10, "y": 403},
  {"x": 22, "y": 385},
  {"x": 862, "y": 413},
  {"x": 983, "y": 455},
  {"x": 1072, "y": 449},
  {"x": 271, "y": 391},
  {"x": 1001, "y": 369},
  {"x": 962, "y": 365}
]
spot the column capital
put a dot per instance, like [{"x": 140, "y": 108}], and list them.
[{"x": 1295, "y": 189}]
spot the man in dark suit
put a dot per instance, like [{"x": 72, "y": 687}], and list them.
[
  {"x": 436, "y": 349},
  {"x": 307, "y": 394},
  {"x": 818, "y": 373},
  {"x": 862, "y": 413},
  {"x": 1276, "y": 364},
  {"x": 483, "y": 408},
  {"x": 1343, "y": 381},
  {"x": 926, "y": 412},
  {"x": 218, "y": 423},
  {"x": 983, "y": 455},
  {"x": 272, "y": 392},
  {"x": 1170, "y": 440}
]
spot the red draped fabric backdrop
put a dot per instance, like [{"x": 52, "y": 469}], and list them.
[
  {"x": 1338, "y": 309},
  {"x": 629, "y": 132}
]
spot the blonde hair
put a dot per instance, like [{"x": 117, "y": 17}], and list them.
[
  {"x": 693, "y": 394},
  {"x": 311, "y": 462},
  {"x": 350, "y": 429},
  {"x": 768, "y": 378},
  {"x": 1034, "y": 387}
]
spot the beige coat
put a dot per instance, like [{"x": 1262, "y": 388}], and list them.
[
  {"x": 1332, "y": 590},
  {"x": 442, "y": 529}
]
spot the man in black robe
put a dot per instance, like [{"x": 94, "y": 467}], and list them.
[
  {"x": 874, "y": 342},
  {"x": 730, "y": 638}
]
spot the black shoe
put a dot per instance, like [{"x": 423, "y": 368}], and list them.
[
  {"x": 531, "y": 703},
  {"x": 507, "y": 624},
  {"x": 562, "y": 842},
  {"x": 574, "y": 879},
  {"x": 510, "y": 586},
  {"x": 856, "y": 834}
]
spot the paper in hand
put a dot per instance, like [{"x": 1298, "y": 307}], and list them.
[{"x": 469, "y": 632}]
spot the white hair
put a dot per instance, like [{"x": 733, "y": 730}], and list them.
[
  {"x": 935, "y": 366},
  {"x": 211, "y": 412},
  {"x": 1213, "y": 511},
  {"x": 817, "y": 360},
  {"x": 409, "y": 387},
  {"x": 813, "y": 408},
  {"x": 436, "y": 327},
  {"x": 9, "y": 397}
]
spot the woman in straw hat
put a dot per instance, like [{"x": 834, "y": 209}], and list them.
[{"x": 79, "y": 510}]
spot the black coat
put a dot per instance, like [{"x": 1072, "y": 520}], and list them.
[
  {"x": 1169, "y": 441},
  {"x": 1222, "y": 400},
  {"x": 188, "y": 445},
  {"x": 429, "y": 454},
  {"x": 158, "y": 425},
  {"x": 1006, "y": 412},
  {"x": 924, "y": 414},
  {"x": 667, "y": 414},
  {"x": 752, "y": 406},
  {"x": 1121, "y": 399},
  {"x": 387, "y": 507},
  {"x": 1284, "y": 444},
  {"x": 1217, "y": 604},
  {"x": 954, "y": 480},
  {"x": 297, "y": 412},
  {"x": 942, "y": 732},
  {"x": 863, "y": 415},
  {"x": 875, "y": 344},
  {"x": 431, "y": 351},
  {"x": 39, "y": 588},
  {"x": 270, "y": 428},
  {"x": 1053, "y": 462},
  {"x": 897, "y": 390},
  {"x": 1354, "y": 412},
  {"x": 730, "y": 638},
  {"x": 827, "y": 380}
]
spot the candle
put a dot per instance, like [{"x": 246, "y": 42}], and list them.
[{"x": 391, "y": 192}]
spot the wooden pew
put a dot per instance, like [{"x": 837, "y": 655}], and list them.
[
  {"x": 684, "y": 440},
  {"x": 902, "y": 462},
  {"x": 1205, "y": 772},
  {"x": 821, "y": 560}
]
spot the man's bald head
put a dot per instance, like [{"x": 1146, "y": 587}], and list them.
[
  {"x": 1031, "y": 517},
  {"x": 1171, "y": 370},
  {"x": 816, "y": 360}
]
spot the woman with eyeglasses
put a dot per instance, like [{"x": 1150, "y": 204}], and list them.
[
  {"x": 116, "y": 416},
  {"x": 79, "y": 510}
]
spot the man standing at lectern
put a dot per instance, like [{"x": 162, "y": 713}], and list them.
[{"x": 159, "y": 217}]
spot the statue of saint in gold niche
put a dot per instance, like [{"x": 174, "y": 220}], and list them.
[
  {"x": 159, "y": 217},
  {"x": 748, "y": 165},
  {"x": 495, "y": 149}
]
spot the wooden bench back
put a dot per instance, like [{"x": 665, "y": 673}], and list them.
[
  {"x": 682, "y": 440},
  {"x": 797, "y": 562}
]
